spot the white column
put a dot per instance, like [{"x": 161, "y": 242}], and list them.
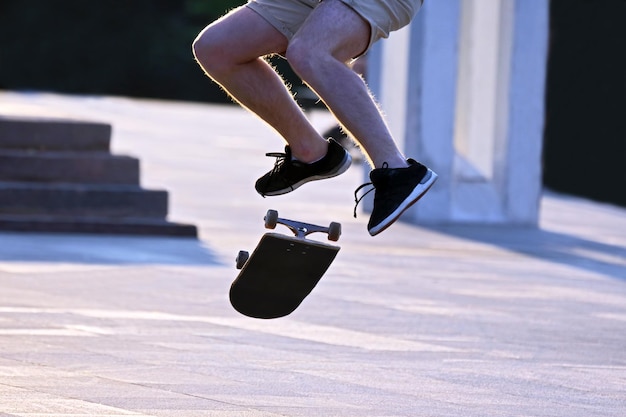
[
  {"x": 471, "y": 94},
  {"x": 521, "y": 171}
]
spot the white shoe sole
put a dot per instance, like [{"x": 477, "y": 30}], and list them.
[{"x": 416, "y": 194}]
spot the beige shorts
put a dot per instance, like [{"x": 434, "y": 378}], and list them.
[{"x": 384, "y": 16}]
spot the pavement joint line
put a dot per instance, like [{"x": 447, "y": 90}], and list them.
[{"x": 283, "y": 327}]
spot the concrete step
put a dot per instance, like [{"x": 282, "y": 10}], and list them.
[
  {"x": 76, "y": 200},
  {"x": 96, "y": 225},
  {"x": 68, "y": 167},
  {"x": 47, "y": 134}
]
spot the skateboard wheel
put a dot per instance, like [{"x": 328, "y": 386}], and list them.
[
  {"x": 334, "y": 231},
  {"x": 242, "y": 258},
  {"x": 271, "y": 218}
]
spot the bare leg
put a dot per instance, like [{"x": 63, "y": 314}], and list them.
[
  {"x": 230, "y": 51},
  {"x": 319, "y": 52}
]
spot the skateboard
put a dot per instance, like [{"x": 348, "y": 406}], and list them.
[{"x": 283, "y": 269}]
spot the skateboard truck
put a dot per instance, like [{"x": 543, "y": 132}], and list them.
[{"x": 299, "y": 229}]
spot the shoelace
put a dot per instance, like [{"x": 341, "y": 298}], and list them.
[
  {"x": 281, "y": 160},
  {"x": 357, "y": 199}
]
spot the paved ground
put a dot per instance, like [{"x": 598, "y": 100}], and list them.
[{"x": 459, "y": 321}]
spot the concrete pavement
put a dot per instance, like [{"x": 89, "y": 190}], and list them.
[{"x": 419, "y": 321}]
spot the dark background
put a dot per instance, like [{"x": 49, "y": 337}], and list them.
[
  {"x": 585, "y": 135},
  {"x": 139, "y": 48},
  {"x": 142, "y": 48}
]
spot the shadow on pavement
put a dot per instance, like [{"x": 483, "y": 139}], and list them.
[
  {"x": 98, "y": 249},
  {"x": 591, "y": 255}
]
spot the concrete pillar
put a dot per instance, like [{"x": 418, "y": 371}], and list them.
[{"x": 469, "y": 102}]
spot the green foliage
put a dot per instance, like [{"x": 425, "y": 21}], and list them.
[{"x": 120, "y": 47}]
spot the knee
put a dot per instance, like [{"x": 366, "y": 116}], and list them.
[
  {"x": 210, "y": 54},
  {"x": 203, "y": 49},
  {"x": 303, "y": 58}
]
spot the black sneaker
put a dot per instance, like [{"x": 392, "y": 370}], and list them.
[
  {"x": 289, "y": 174},
  {"x": 396, "y": 189}
]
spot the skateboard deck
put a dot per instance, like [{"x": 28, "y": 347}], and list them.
[{"x": 282, "y": 271}]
